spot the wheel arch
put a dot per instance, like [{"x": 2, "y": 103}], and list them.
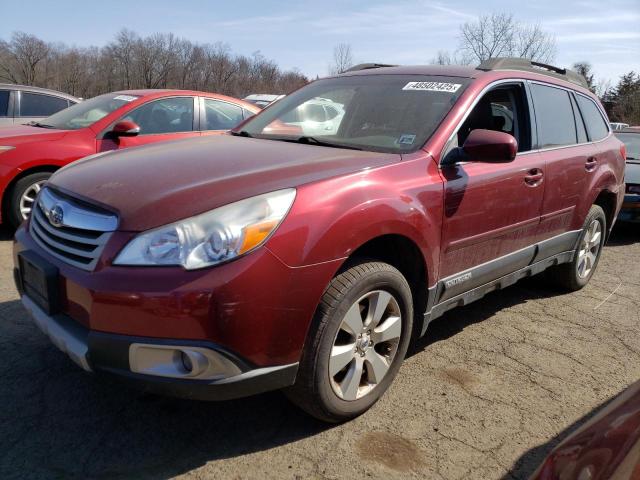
[{"x": 4, "y": 199}]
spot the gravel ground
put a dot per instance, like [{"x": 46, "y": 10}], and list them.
[{"x": 486, "y": 394}]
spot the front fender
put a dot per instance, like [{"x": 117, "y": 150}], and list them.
[{"x": 330, "y": 219}]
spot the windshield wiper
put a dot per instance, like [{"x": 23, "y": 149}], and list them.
[
  {"x": 321, "y": 143},
  {"x": 41, "y": 125},
  {"x": 241, "y": 133}
]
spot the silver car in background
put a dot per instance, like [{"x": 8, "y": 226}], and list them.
[{"x": 21, "y": 104}]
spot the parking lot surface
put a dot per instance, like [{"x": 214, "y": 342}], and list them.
[{"x": 486, "y": 394}]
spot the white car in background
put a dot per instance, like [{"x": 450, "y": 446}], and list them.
[
  {"x": 319, "y": 116},
  {"x": 262, "y": 100}
]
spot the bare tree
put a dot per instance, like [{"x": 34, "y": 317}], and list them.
[
  {"x": 443, "y": 57},
  {"x": 342, "y": 59},
  {"x": 500, "y": 35},
  {"x": 130, "y": 61}
]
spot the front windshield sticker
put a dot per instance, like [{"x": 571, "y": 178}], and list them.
[
  {"x": 406, "y": 139},
  {"x": 433, "y": 86},
  {"x": 125, "y": 98}
]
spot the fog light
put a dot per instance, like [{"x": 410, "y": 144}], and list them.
[{"x": 180, "y": 362}]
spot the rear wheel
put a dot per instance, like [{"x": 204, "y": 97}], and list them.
[
  {"x": 576, "y": 274},
  {"x": 361, "y": 333},
  {"x": 23, "y": 195}
]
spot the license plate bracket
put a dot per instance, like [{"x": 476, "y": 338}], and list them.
[{"x": 39, "y": 281}]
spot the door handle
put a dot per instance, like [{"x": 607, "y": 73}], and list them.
[
  {"x": 591, "y": 164},
  {"x": 533, "y": 178}
]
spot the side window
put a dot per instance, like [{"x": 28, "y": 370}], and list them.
[
  {"x": 221, "y": 115},
  {"x": 596, "y": 125},
  {"x": 554, "y": 116},
  {"x": 167, "y": 115},
  {"x": 4, "y": 103},
  {"x": 503, "y": 109},
  {"x": 582, "y": 133},
  {"x": 38, "y": 105}
]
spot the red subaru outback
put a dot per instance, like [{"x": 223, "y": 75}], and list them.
[{"x": 309, "y": 247}]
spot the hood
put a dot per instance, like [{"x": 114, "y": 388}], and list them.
[
  {"x": 165, "y": 182},
  {"x": 18, "y": 134}
]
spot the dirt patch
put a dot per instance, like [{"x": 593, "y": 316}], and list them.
[
  {"x": 392, "y": 451},
  {"x": 459, "y": 376}
]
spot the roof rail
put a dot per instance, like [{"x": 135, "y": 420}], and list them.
[
  {"x": 527, "y": 65},
  {"x": 367, "y": 66}
]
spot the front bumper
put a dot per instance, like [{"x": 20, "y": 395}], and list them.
[{"x": 110, "y": 354}]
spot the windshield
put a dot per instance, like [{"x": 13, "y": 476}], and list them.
[
  {"x": 88, "y": 112},
  {"x": 632, "y": 143},
  {"x": 384, "y": 113}
]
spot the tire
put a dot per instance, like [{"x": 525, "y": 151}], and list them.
[
  {"x": 351, "y": 297},
  {"x": 575, "y": 275},
  {"x": 18, "y": 190}
]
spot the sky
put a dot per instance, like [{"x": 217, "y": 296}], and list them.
[{"x": 302, "y": 34}]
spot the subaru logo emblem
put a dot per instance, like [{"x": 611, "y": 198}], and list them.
[{"x": 56, "y": 216}]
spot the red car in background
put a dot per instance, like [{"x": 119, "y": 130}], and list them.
[{"x": 29, "y": 154}]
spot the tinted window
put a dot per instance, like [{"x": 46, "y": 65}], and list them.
[
  {"x": 554, "y": 116},
  {"x": 221, "y": 115},
  {"x": 168, "y": 115},
  {"x": 37, "y": 105},
  {"x": 596, "y": 126},
  {"x": 582, "y": 133},
  {"x": 4, "y": 102},
  {"x": 385, "y": 113}
]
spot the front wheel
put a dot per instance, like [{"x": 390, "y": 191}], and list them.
[
  {"x": 23, "y": 195},
  {"x": 360, "y": 336}
]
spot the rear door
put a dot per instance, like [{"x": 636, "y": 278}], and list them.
[
  {"x": 491, "y": 210},
  {"x": 569, "y": 160},
  {"x": 170, "y": 118}
]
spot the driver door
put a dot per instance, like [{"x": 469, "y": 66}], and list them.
[{"x": 159, "y": 120}]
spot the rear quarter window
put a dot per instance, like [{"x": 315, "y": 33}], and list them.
[
  {"x": 554, "y": 116},
  {"x": 593, "y": 119}
]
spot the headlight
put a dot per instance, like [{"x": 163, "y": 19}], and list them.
[
  {"x": 212, "y": 237},
  {"x": 6, "y": 148}
]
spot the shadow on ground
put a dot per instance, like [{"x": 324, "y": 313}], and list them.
[{"x": 57, "y": 421}]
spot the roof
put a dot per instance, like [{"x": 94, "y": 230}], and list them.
[
  {"x": 168, "y": 91},
  {"x": 29, "y": 88},
  {"x": 515, "y": 65}
]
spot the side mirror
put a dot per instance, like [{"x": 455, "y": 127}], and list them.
[
  {"x": 490, "y": 146},
  {"x": 125, "y": 128}
]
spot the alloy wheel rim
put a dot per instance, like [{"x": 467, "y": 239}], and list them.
[
  {"x": 28, "y": 198},
  {"x": 589, "y": 249},
  {"x": 365, "y": 345}
]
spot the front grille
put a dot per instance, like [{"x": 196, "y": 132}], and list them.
[{"x": 77, "y": 236}]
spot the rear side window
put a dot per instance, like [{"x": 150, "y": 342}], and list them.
[
  {"x": 554, "y": 116},
  {"x": 221, "y": 115},
  {"x": 4, "y": 103},
  {"x": 596, "y": 125},
  {"x": 37, "y": 105}
]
